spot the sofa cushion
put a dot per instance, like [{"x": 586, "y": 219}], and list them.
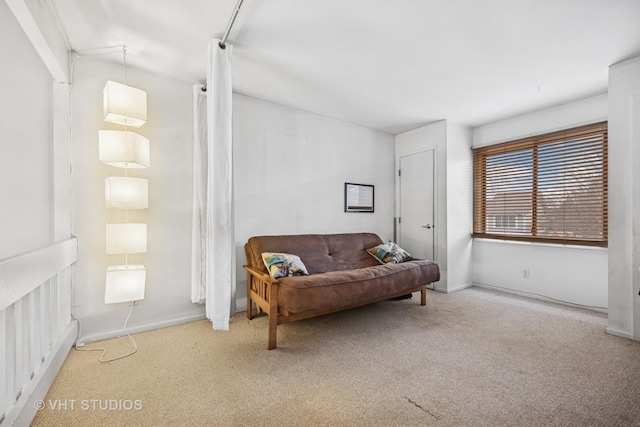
[
  {"x": 320, "y": 253},
  {"x": 389, "y": 252},
  {"x": 346, "y": 287},
  {"x": 283, "y": 265}
]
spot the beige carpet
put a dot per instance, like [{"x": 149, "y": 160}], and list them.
[{"x": 472, "y": 358}]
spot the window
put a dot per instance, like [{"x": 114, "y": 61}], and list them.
[{"x": 550, "y": 188}]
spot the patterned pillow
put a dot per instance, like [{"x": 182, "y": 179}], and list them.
[
  {"x": 283, "y": 265},
  {"x": 389, "y": 253}
]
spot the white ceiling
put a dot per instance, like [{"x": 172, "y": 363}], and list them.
[{"x": 387, "y": 65}]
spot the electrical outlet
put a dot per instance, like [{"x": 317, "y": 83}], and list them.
[{"x": 525, "y": 273}]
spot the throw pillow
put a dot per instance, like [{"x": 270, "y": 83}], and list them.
[
  {"x": 283, "y": 265},
  {"x": 389, "y": 253}
]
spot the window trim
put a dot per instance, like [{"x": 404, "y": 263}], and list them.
[{"x": 532, "y": 143}]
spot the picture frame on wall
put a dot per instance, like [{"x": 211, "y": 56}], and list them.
[{"x": 358, "y": 197}]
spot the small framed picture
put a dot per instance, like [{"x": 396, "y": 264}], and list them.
[{"x": 358, "y": 197}]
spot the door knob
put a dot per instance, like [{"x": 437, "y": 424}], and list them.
[{"x": 426, "y": 226}]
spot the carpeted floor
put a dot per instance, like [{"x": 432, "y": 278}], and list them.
[{"x": 471, "y": 358}]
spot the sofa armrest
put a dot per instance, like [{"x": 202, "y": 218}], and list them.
[{"x": 259, "y": 274}]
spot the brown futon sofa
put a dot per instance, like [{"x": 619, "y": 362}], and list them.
[{"x": 342, "y": 275}]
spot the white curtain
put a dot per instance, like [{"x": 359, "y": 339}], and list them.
[
  {"x": 213, "y": 257},
  {"x": 200, "y": 160}
]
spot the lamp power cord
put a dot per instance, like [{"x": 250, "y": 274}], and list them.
[{"x": 79, "y": 347}]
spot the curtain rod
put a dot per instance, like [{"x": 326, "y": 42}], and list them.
[{"x": 231, "y": 21}]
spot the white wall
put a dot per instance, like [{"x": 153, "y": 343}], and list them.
[
  {"x": 459, "y": 206},
  {"x": 26, "y": 159},
  {"x": 290, "y": 168},
  {"x": 169, "y": 129},
  {"x": 453, "y": 201},
  {"x": 624, "y": 199},
  {"x": 569, "y": 273},
  {"x": 582, "y": 112}
]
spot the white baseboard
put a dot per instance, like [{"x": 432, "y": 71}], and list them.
[
  {"x": 24, "y": 411},
  {"x": 142, "y": 328},
  {"x": 618, "y": 333},
  {"x": 538, "y": 297},
  {"x": 241, "y": 305},
  {"x": 452, "y": 289}
]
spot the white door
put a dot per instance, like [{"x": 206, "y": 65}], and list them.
[{"x": 416, "y": 221}]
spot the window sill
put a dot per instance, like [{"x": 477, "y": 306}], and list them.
[{"x": 541, "y": 244}]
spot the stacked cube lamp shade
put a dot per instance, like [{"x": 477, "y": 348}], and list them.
[{"x": 123, "y": 149}]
